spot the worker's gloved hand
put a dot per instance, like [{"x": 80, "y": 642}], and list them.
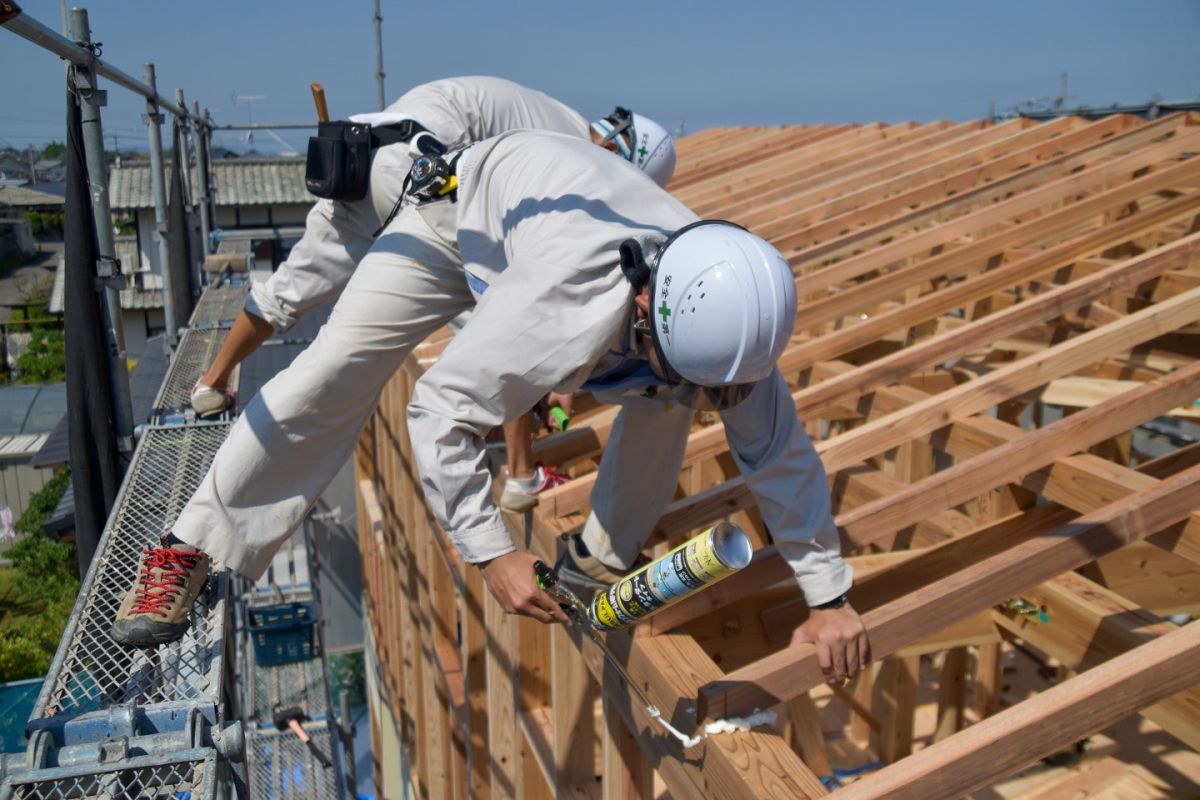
[
  {"x": 512, "y": 581},
  {"x": 840, "y": 639}
]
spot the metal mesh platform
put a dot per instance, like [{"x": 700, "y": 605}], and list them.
[
  {"x": 219, "y": 303},
  {"x": 299, "y": 684},
  {"x": 92, "y": 671},
  {"x": 280, "y": 766},
  {"x": 196, "y": 351},
  {"x": 194, "y": 780}
]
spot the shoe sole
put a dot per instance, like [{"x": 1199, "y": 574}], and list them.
[{"x": 145, "y": 640}]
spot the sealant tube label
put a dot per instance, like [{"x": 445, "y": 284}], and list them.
[{"x": 679, "y": 573}]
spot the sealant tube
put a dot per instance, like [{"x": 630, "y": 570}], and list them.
[{"x": 699, "y": 562}]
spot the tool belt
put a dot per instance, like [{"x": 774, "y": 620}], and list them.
[{"x": 339, "y": 156}]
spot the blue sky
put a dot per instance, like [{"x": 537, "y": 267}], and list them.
[{"x": 747, "y": 62}]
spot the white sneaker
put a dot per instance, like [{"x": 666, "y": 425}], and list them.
[
  {"x": 208, "y": 401},
  {"x": 520, "y": 494}
]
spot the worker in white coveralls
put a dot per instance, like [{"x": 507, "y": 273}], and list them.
[
  {"x": 338, "y": 234},
  {"x": 582, "y": 273}
]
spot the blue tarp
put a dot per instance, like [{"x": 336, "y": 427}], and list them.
[{"x": 16, "y": 704}]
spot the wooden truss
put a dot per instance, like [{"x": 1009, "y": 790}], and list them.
[{"x": 987, "y": 313}]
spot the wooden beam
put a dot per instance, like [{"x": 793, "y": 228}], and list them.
[
  {"x": 1006, "y": 382},
  {"x": 1009, "y": 462},
  {"x": 785, "y": 674},
  {"x": 1040, "y": 309},
  {"x": 1090, "y": 624},
  {"x": 1020, "y": 735}
]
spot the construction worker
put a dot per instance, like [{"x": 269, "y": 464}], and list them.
[
  {"x": 581, "y": 272},
  {"x": 337, "y": 234}
]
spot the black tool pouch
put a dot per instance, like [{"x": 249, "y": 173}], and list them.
[{"x": 339, "y": 161}]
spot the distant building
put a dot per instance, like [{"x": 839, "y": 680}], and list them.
[
  {"x": 28, "y": 413},
  {"x": 260, "y": 207}
]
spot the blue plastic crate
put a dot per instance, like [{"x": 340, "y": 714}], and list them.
[{"x": 283, "y": 633}]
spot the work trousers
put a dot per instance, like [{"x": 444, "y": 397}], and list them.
[{"x": 295, "y": 434}]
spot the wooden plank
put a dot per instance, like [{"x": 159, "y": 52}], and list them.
[
  {"x": 802, "y": 728},
  {"x": 474, "y": 648},
  {"x": 964, "y": 339},
  {"x": 573, "y": 697},
  {"x": 894, "y": 706},
  {"x": 503, "y": 751},
  {"x": 1020, "y": 735},
  {"x": 794, "y": 669},
  {"x": 977, "y": 287},
  {"x": 1089, "y": 624},
  {"x": 1009, "y": 462},
  {"x": 1006, "y": 382},
  {"x": 952, "y": 693},
  {"x": 626, "y": 772},
  {"x": 976, "y": 209}
]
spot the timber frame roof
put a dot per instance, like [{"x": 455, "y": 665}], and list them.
[{"x": 987, "y": 312}]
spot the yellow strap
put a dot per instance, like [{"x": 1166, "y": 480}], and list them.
[{"x": 451, "y": 185}]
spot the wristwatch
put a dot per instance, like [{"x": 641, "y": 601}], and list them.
[{"x": 836, "y": 602}]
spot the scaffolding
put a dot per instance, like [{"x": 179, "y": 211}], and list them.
[{"x": 193, "y": 718}]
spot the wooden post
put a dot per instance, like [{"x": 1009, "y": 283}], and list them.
[
  {"x": 626, "y": 774},
  {"x": 952, "y": 693},
  {"x": 895, "y": 704}
]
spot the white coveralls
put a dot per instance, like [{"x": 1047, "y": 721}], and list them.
[
  {"x": 536, "y": 228},
  {"x": 458, "y": 111}
]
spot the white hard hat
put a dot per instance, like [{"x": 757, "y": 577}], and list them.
[
  {"x": 723, "y": 305},
  {"x": 648, "y": 145}
]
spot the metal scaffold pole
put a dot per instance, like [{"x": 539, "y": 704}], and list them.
[
  {"x": 379, "y": 56},
  {"x": 158, "y": 187},
  {"x": 107, "y": 267},
  {"x": 204, "y": 177}
]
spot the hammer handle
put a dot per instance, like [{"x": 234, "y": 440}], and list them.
[
  {"x": 312, "y": 748},
  {"x": 318, "y": 92}
]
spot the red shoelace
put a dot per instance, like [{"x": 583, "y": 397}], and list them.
[
  {"x": 173, "y": 567},
  {"x": 551, "y": 477}
]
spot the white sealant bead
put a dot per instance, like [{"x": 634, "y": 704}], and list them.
[{"x": 731, "y": 725}]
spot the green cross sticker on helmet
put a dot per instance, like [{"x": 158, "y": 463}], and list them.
[
  {"x": 664, "y": 310},
  {"x": 643, "y": 152}
]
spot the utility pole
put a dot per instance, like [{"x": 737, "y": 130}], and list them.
[
  {"x": 379, "y": 56},
  {"x": 108, "y": 269},
  {"x": 32, "y": 168}
]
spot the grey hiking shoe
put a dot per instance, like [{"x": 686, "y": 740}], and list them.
[
  {"x": 155, "y": 609},
  {"x": 579, "y": 567}
]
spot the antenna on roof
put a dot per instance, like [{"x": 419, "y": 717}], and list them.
[{"x": 249, "y": 100}]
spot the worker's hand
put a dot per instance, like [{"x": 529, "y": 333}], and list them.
[
  {"x": 511, "y": 580},
  {"x": 841, "y": 641},
  {"x": 563, "y": 401}
]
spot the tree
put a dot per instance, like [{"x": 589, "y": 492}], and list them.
[
  {"x": 52, "y": 151},
  {"x": 46, "y": 579}
]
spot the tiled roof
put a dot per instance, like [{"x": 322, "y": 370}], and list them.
[
  {"x": 24, "y": 196},
  {"x": 238, "y": 181}
]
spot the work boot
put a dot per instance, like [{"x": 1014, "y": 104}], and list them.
[
  {"x": 209, "y": 401},
  {"x": 155, "y": 609},
  {"x": 520, "y": 494},
  {"x": 579, "y": 567}
]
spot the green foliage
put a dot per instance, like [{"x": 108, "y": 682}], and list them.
[
  {"x": 43, "y": 223},
  {"x": 52, "y": 151},
  {"x": 45, "y": 361},
  {"x": 347, "y": 672},
  {"x": 43, "y": 589},
  {"x": 46, "y": 568},
  {"x": 27, "y": 646}
]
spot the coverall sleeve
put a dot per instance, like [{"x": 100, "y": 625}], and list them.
[
  {"x": 783, "y": 471},
  {"x": 538, "y": 327},
  {"x": 317, "y": 269}
]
